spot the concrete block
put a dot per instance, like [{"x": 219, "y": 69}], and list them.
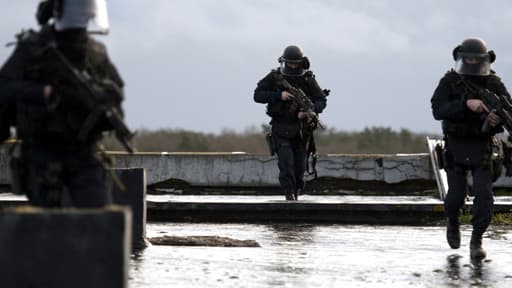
[
  {"x": 134, "y": 180},
  {"x": 62, "y": 248}
]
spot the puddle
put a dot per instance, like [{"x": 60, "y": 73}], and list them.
[{"x": 322, "y": 256}]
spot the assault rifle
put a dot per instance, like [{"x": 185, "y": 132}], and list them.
[
  {"x": 499, "y": 104},
  {"x": 91, "y": 100},
  {"x": 301, "y": 102}
]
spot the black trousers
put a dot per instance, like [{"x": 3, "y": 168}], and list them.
[
  {"x": 291, "y": 155},
  {"x": 482, "y": 190},
  {"x": 56, "y": 178}
]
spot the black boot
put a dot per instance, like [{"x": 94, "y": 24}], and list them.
[
  {"x": 476, "y": 252},
  {"x": 296, "y": 194},
  {"x": 289, "y": 196},
  {"x": 453, "y": 233}
]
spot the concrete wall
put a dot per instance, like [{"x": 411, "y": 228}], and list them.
[
  {"x": 223, "y": 169},
  {"x": 250, "y": 170}
]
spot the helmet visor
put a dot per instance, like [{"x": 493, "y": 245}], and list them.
[
  {"x": 473, "y": 64},
  {"x": 87, "y": 14},
  {"x": 292, "y": 68}
]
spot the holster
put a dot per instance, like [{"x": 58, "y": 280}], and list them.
[
  {"x": 507, "y": 157},
  {"x": 17, "y": 169},
  {"x": 440, "y": 156},
  {"x": 311, "y": 152},
  {"x": 271, "y": 144}
]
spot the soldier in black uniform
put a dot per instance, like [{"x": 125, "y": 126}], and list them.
[
  {"x": 57, "y": 163},
  {"x": 468, "y": 147},
  {"x": 289, "y": 139}
]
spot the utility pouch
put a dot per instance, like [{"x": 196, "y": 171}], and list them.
[{"x": 497, "y": 157}]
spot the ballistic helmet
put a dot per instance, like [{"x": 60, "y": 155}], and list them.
[
  {"x": 472, "y": 57},
  {"x": 74, "y": 14},
  {"x": 293, "y": 55}
]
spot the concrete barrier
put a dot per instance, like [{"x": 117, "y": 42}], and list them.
[
  {"x": 134, "y": 180},
  {"x": 65, "y": 248},
  {"x": 252, "y": 170}
]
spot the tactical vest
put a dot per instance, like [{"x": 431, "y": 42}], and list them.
[
  {"x": 280, "y": 110},
  {"x": 38, "y": 123},
  {"x": 471, "y": 125}
]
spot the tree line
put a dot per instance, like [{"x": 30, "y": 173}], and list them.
[{"x": 371, "y": 140}]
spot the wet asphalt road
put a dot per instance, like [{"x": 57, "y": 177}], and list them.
[{"x": 322, "y": 256}]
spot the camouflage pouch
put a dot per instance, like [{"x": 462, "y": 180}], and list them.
[{"x": 497, "y": 157}]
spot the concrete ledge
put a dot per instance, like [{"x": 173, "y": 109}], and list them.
[
  {"x": 304, "y": 212},
  {"x": 389, "y": 213},
  {"x": 65, "y": 248},
  {"x": 394, "y": 214}
]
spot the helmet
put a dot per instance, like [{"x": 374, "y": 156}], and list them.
[
  {"x": 44, "y": 11},
  {"x": 472, "y": 57},
  {"x": 293, "y": 55},
  {"x": 78, "y": 14}
]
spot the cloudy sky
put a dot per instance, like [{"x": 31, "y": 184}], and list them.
[{"x": 194, "y": 64}]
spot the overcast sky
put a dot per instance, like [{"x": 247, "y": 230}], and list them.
[{"x": 194, "y": 64}]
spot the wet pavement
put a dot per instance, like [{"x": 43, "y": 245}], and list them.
[
  {"x": 328, "y": 199},
  {"x": 322, "y": 256},
  {"x": 305, "y": 255},
  {"x": 349, "y": 199}
]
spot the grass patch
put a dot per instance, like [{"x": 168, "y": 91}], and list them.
[{"x": 497, "y": 219}]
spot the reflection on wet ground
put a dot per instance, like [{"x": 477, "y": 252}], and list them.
[{"x": 322, "y": 256}]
